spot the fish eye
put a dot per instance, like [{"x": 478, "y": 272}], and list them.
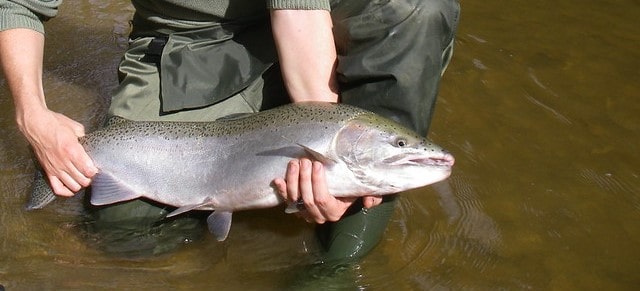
[{"x": 401, "y": 142}]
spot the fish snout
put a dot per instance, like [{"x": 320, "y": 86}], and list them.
[
  {"x": 442, "y": 159},
  {"x": 445, "y": 159}
]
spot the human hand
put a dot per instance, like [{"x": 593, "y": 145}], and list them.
[
  {"x": 305, "y": 180},
  {"x": 54, "y": 138}
]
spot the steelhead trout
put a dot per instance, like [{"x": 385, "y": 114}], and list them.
[{"x": 229, "y": 164}]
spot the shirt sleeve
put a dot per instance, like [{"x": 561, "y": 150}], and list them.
[
  {"x": 27, "y": 13},
  {"x": 299, "y": 4}
]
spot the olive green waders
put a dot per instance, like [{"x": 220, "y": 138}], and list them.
[{"x": 391, "y": 57}]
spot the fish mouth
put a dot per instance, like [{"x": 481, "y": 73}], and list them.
[{"x": 445, "y": 160}]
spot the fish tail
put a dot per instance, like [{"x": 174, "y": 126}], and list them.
[{"x": 41, "y": 193}]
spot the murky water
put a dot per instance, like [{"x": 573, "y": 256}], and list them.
[{"x": 539, "y": 107}]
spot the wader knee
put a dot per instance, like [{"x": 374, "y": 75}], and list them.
[{"x": 355, "y": 234}]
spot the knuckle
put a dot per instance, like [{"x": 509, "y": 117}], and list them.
[
  {"x": 309, "y": 204},
  {"x": 292, "y": 167},
  {"x": 321, "y": 201}
]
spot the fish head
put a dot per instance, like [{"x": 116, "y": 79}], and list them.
[{"x": 388, "y": 157}]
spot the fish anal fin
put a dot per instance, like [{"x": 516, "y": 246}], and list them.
[
  {"x": 219, "y": 223},
  {"x": 106, "y": 189}
]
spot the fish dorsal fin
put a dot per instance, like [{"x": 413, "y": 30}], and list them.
[
  {"x": 106, "y": 189},
  {"x": 219, "y": 223}
]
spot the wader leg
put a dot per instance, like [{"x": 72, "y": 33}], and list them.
[
  {"x": 357, "y": 233},
  {"x": 391, "y": 57}
]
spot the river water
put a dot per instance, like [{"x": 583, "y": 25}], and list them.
[{"x": 539, "y": 106}]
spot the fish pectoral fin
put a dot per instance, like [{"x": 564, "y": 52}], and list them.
[
  {"x": 106, "y": 189},
  {"x": 219, "y": 223},
  {"x": 317, "y": 155}
]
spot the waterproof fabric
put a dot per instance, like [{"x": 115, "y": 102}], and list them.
[
  {"x": 391, "y": 55},
  {"x": 139, "y": 95},
  {"x": 203, "y": 67},
  {"x": 356, "y": 234}
]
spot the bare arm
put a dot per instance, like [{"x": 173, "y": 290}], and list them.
[
  {"x": 307, "y": 55},
  {"x": 54, "y": 137}
]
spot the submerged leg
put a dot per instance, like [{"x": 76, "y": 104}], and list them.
[
  {"x": 357, "y": 233},
  {"x": 139, "y": 228},
  {"x": 342, "y": 245}
]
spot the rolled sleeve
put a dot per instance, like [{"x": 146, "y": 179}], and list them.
[
  {"x": 299, "y": 4},
  {"x": 27, "y": 14}
]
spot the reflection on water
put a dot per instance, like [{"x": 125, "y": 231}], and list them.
[{"x": 538, "y": 106}]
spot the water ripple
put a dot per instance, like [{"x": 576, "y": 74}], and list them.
[
  {"x": 615, "y": 184},
  {"x": 444, "y": 235}
]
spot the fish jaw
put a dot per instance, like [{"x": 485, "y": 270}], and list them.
[{"x": 442, "y": 160}]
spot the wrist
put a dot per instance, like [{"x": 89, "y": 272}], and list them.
[
  {"x": 28, "y": 112},
  {"x": 320, "y": 95}
]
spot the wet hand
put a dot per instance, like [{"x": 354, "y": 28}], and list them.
[
  {"x": 54, "y": 138},
  {"x": 305, "y": 181}
]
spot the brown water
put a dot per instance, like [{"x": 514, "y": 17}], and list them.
[{"x": 539, "y": 106}]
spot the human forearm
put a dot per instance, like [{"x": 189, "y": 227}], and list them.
[
  {"x": 21, "y": 53},
  {"x": 307, "y": 53}
]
